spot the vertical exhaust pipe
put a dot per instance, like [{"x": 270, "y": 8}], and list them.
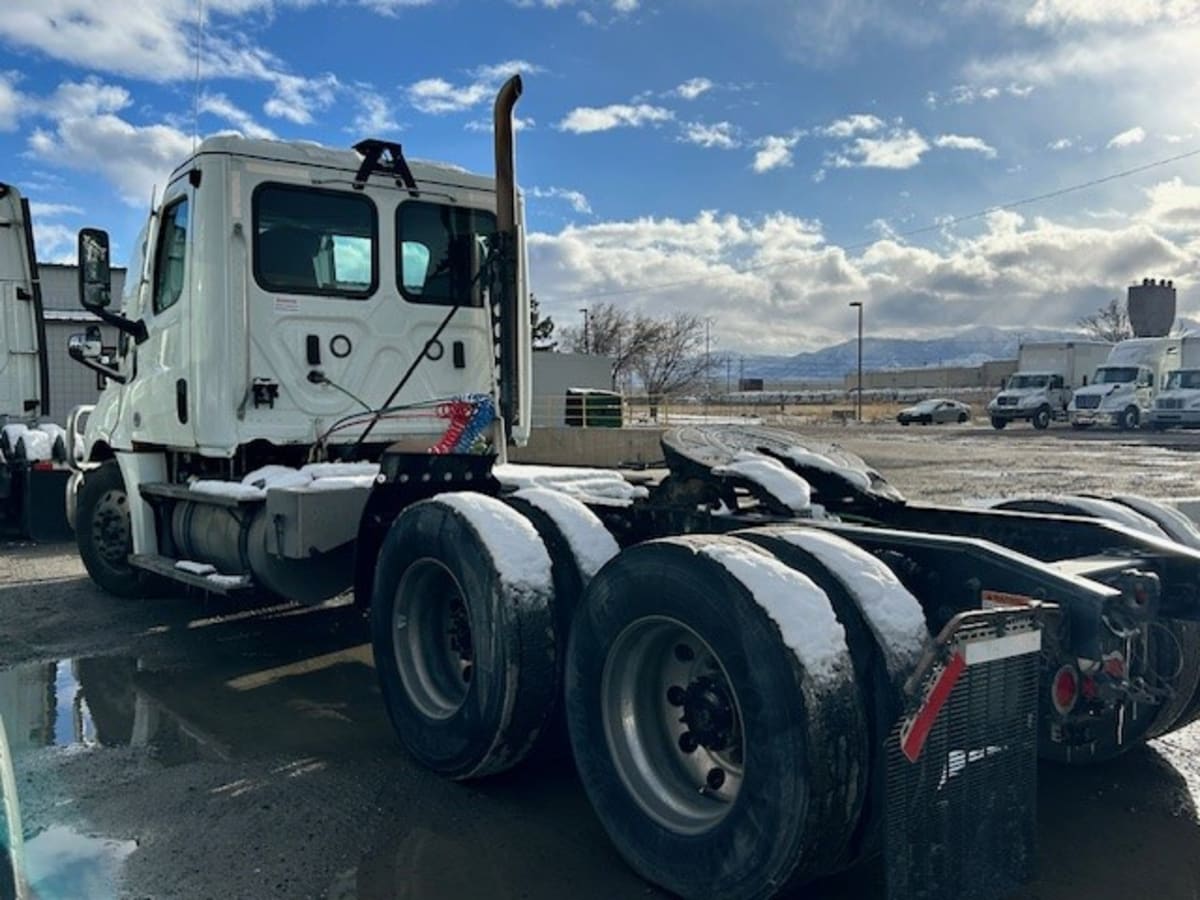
[{"x": 506, "y": 276}]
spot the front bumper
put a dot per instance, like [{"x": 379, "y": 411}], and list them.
[
  {"x": 1095, "y": 417},
  {"x": 1178, "y": 417},
  {"x": 1012, "y": 413}
]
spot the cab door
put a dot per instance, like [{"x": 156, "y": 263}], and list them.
[
  {"x": 1144, "y": 388},
  {"x": 161, "y": 392}
]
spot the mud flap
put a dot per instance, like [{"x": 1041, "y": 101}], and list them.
[
  {"x": 962, "y": 763},
  {"x": 35, "y": 506}
]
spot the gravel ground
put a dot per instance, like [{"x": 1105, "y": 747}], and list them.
[{"x": 183, "y": 747}]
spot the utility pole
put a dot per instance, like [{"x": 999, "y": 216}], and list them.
[
  {"x": 857, "y": 304},
  {"x": 707, "y": 360},
  {"x": 586, "y": 345}
]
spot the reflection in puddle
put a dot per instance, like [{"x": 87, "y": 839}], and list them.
[{"x": 61, "y": 863}]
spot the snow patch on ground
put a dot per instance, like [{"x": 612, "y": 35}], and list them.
[
  {"x": 517, "y": 551},
  {"x": 892, "y": 613},
  {"x": 805, "y": 458},
  {"x": 600, "y": 487},
  {"x": 589, "y": 540},
  {"x": 800, "y": 608},
  {"x": 772, "y": 476}
]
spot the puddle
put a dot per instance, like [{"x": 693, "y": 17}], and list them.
[
  {"x": 93, "y": 703},
  {"x": 61, "y": 863}
]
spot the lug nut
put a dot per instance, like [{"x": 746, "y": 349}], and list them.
[
  {"x": 676, "y": 695},
  {"x": 715, "y": 779},
  {"x": 688, "y": 742}
]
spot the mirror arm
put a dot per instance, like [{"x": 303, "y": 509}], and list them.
[
  {"x": 112, "y": 374},
  {"x": 136, "y": 329}
]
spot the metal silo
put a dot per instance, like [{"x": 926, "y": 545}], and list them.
[{"x": 1152, "y": 307}]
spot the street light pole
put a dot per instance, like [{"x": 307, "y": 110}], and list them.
[
  {"x": 857, "y": 304},
  {"x": 584, "y": 310}
]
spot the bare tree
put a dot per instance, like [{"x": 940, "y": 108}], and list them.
[
  {"x": 1108, "y": 323},
  {"x": 671, "y": 359},
  {"x": 613, "y": 332},
  {"x": 542, "y": 327}
]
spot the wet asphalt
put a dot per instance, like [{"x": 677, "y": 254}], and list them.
[{"x": 186, "y": 747}]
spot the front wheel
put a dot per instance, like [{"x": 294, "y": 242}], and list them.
[
  {"x": 103, "y": 532},
  {"x": 1128, "y": 419},
  {"x": 1041, "y": 418},
  {"x": 962, "y": 418},
  {"x": 998, "y": 423}
]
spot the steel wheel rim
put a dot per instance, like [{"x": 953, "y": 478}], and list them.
[
  {"x": 110, "y": 528},
  {"x": 645, "y": 725},
  {"x": 431, "y": 639}
]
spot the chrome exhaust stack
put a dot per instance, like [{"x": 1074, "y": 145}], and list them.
[{"x": 505, "y": 287}]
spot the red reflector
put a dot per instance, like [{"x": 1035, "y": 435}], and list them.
[
  {"x": 43, "y": 466},
  {"x": 1065, "y": 689}
]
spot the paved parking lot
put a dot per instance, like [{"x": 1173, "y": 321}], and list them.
[{"x": 183, "y": 747}]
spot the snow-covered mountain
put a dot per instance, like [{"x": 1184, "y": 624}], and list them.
[{"x": 969, "y": 347}]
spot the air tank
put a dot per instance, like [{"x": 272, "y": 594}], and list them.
[{"x": 1152, "y": 307}]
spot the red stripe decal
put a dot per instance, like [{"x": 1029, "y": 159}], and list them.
[{"x": 913, "y": 740}]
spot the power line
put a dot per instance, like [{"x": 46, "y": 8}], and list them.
[{"x": 912, "y": 232}]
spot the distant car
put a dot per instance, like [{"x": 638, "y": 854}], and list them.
[{"x": 935, "y": 412}]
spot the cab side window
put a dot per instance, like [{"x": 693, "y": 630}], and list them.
[
  {"x": 1056, "y": 383},
  {"x": 169, "y": 256},
  {"x": 1145, "y": 378}
]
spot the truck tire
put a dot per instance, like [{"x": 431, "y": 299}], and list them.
[
  {"x": 998, "y": 423},
  {"x": 1174, "y": 524},
  {"x": 1041, "y": 418},
  {"x": 462, "y": 630},
  {"x": 1129, "y": 418},
  {"x": 103, "y": 533},
  {"x": 745, "y": 794}
]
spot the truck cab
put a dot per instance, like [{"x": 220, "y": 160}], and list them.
[
  {"x": 1122, "y": 393},
  {"x": 1178, "y": 404},
  {"x": 1032, "y": 396}
]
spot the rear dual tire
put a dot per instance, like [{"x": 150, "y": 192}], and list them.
[{"x": 667, "y": 642}]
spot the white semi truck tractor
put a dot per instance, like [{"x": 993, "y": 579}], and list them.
[
  {"x": 1048, "y": 373},
  {"x": 33, "y": 450},
  {"x": 1124, "y": 388},
  {"x": 769, "y": 664},
  {"x": 1178, "y": 403}
]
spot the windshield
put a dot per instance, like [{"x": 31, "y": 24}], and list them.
[
  {"x": 927, "y": 405},
  {"x": 1184, "y": 379},
  {"x": 1022, "y": 382},
  {"x": 1116, "y": 374}
]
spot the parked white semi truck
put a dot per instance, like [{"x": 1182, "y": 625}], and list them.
[
  {"x": 1124, "y": 389},
  {"x": 326, "y": 355},
  {"x": 1048, "y": 372},
  {"x": 1178, "y": 403},
  {"x": 33, "y": 452}
]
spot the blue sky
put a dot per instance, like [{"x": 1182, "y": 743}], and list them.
[{"x": 757, "y": 162}]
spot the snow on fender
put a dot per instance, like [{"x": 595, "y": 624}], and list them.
[
  {"x": 463, "y": 634},
  {"x": 715, "y": 719}
]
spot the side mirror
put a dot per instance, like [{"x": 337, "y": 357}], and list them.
[
  {"x": 89, "y": 345},
  {"x": 95, "y": 271}
]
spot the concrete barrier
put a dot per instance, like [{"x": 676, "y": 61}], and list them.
[{"x": 601, "y": 447}]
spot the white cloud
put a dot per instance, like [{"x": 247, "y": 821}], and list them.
[
  {"x": 774, "y": 152},
  {"x": 13, "y": 104},
  {"x": 859, "y": 123},
  {"x": 485, "y": 125},
  {"x": 693, "y": 88},
  {"x": 576, "y": 199},
  {"x": 625, "y": 6},
  {"x": 1064, "y": 143},
  {"x": 966, "y": 94},
  {"x": 438, "y": 96},
  {"x": 965, "y": 142},
  {"x": 375, "y": 116},
  {"x": 1047, "y": 271},
  {"x": 722, "y": 135},
  {"x": 53, "y": 210},
  {"x": 87, "y": 134},
  {"x": 221, "y": 106},
  {"x": 1058, "y": 13},
  {"x": 392, "y": 7},
  {"x": 53, "y": 242},
  {"x": 588, "y": 119},
  {"x": 1129, "y": 137},
  {"x": 900, "y": 149}
]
